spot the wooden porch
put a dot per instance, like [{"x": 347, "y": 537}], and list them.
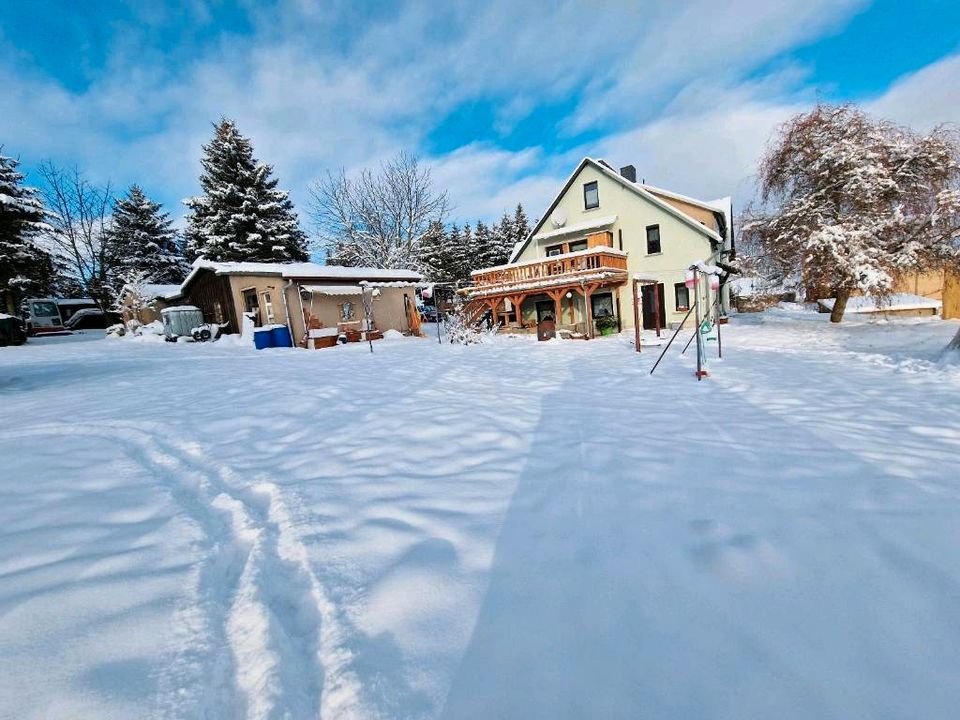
[{"x": 583, "y": 273}]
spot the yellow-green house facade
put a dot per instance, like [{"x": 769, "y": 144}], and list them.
[{"x": 602, "y": 230}]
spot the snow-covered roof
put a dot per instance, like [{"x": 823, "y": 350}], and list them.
[
  {"x": 589, "y": 251},
  {"x": 870, "y": 304},
  {"x": 578, "y": 227},
  {"x": 302, "y": 271},
  {"x": 333, "y": 289},
  {"x": 600, "y": 274},
  {"x": 149, "y": 291},
  {"x": 72, "y": 301}
]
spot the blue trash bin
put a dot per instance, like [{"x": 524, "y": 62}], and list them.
[
  {"x": 281, "y": 336},
  {"x": 263, "y": 338}
]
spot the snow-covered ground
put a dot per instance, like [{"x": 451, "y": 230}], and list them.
[{"x": 509, "y": 530}]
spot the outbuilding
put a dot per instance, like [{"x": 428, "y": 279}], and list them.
[{"x": 303, "y": 296}]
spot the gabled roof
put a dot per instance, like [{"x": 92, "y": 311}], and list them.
[
  {"x": 302, "y": 271},
  {"x": 636, "y": 188}
]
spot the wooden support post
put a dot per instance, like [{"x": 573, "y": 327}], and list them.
[
  {"x": 517, "y": 302},
  {"x": 656, "y": 306},
  {"x": 493, "y": 308},
  {"x": 555, "y": 295},
  {"x": 636, "y": 313},
  {"x": 587, "y": 293}
]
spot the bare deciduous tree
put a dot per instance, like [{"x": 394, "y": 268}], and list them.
[
  {"x": 79, "y": 215},
  {"x": 379, "y": 218},
  {"x": 851, "y": 202}
]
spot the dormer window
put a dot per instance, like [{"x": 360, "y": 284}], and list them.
[{"x": 591, "y": 196}]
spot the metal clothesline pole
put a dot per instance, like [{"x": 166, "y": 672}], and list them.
[{"x": 672, "y": 338}]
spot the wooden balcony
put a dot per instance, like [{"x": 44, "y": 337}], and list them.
[{"x": 596, "y": 266}]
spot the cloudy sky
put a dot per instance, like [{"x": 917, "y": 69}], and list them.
[{"x": 502, "y": 98}]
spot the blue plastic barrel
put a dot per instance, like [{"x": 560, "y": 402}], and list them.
[
  {"x": 281, "y": 336},
  {"x": 263, "y": 338}
]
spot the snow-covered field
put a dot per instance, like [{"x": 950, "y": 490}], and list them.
[{"x": 512, "y": 530}]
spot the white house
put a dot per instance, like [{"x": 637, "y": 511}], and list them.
[{"x": 602, "y": 229}]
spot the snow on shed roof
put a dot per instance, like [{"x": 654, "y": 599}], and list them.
[
  {"x": 303, "y": 271},
  {"x": 333, "y": 289},
  {"x": 149, "y": 291}
]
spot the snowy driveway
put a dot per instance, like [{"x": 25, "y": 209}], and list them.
[{"x": 517, "y": 530}]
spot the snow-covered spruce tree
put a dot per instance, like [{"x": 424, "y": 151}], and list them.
[
  {"x": 521, "y": 226},
  {"x": 143, "y": 238},
  {"x": 436, "y": 254},
  {"x": 25, "y": 267},
  {"x": 851, "y": 202},
  {"x": 241, "y": 215},
  {"x": 379, "y": 218}
]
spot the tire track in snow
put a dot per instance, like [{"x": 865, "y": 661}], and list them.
[{"x": 256, "y": 592}]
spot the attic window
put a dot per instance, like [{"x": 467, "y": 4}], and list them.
[
  {"x": 653, "y": 239},
  {"x": 591, "y": 196}
]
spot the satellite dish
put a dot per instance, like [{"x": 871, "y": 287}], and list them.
[{"x": 558, "y": 219}]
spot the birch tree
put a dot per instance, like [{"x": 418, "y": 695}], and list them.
[
  {"x": 79, "y": 215},
  {"x": 380, "y": 217}
]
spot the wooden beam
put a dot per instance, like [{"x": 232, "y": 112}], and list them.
[
  {"x": 636, "y": 313},
  {"x": 588, "y": 291}
]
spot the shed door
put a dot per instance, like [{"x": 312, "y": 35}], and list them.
[{"x": 250, "y": 305}]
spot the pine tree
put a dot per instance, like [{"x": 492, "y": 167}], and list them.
[
  {"x": 144, "y": 241},
  {"x": 486, "y": 251},
  {"x": 25, "y": 267},
  {"x": 504, "y": 238},
  {"x": 521, "y": 226},
  {"x": 241, "y": 215},
  {"x": 436, "y": 258}
]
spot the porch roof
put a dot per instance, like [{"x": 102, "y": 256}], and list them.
[{"x": 605, "y": 277}]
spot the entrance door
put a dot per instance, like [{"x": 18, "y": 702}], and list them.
[
  {"x": 545, "y": 309},
  {"x": 649, "y": 309}
]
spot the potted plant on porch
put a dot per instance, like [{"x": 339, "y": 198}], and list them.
[{"x": 607, "y": 325}]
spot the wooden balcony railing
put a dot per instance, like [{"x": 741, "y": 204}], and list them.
[{"x": 585, "y": 262}]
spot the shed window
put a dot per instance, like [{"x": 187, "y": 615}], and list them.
[
  {"x": 268, "y": 308},
  {"x": 591, "y": 195},
  {"x": 682, "y": 295},
  {"x": 653, "y": 239}
]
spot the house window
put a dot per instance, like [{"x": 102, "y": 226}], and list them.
[
  {"x": 554, "y": 250},
  {"x": 682, "y": 295},
  {"x": 602, "y": 304},
  {"x": 653, "y": 239},
  {"x": 346, "y": 311},
  {"x": 578, "y": 246},
  {"x": 591, "y": 196},
  {"x": 268, "y": 308}
]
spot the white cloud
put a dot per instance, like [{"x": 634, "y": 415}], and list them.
[
  {"x": 925, "y": 98},
  {"x": 318, "y": 87}
]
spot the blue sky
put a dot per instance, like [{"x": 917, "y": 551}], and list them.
[{"x": 500, "y": 98}]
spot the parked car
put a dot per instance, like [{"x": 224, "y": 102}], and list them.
[
  {"x": 92, "y": 319},
  {"x": 50, "y": 315},
  {"x": 429, "y": 313}
]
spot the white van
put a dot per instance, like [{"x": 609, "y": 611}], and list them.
[{"x": 46, "y": 315}]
